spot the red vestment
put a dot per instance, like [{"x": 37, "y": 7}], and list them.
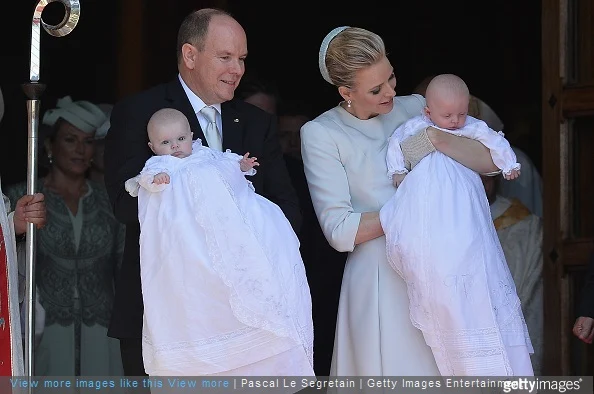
[
  {"x": 5, "y": 331},
  {"x": 11, "y": 346}
]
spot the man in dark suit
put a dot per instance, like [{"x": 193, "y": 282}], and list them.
[
  {"x": 211, "y": 50},
  {"x": 584, "y": 324}
]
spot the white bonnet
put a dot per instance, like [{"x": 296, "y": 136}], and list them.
[
  {"x": 84, "y": 115},
  {"x": 324, "y": 48},
  {"x": 104, "y": 128}
]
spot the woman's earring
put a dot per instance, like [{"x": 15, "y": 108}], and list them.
[
  {"x": 348, "y": 103},
  {"x": 49, "y": 157}
]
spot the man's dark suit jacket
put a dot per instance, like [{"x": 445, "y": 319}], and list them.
[
  {"x": 586, "y": 307},
  {"x": 246, "y": 128}
]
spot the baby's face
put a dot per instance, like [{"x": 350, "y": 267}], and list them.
[
  {"x": 447, "y": 112},
  {"x": 173, "y": 140}
]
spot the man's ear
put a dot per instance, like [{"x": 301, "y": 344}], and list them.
[{"x": 189, "y": 55}]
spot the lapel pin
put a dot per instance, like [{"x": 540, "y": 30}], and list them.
[{"x": 236, "y": 120}]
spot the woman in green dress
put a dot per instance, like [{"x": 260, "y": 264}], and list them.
[{"x": 78, "y": 251}]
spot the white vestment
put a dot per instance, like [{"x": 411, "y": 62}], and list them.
[
  {"x": 440, "y": 238},
  {"x": 223, "y": 283},
  {"x": 520, "y": 234},
  {"x": 528, "y": 187}
]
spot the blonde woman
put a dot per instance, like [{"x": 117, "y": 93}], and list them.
[{"x": 344, "y": 152}]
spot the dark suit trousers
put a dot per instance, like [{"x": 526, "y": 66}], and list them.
[{"x": 131, "y": 353}]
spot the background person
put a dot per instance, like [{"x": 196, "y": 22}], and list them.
[
  {"x": 323, "y": 264},
  {"x": 78, "y": 251},
  {"x": 520, "y": 234},
  {"x": 259, "y": 91},
  {"x": 584, "y": 324},
  {"x": 97, "y": 170},
  {"x": 13, "y": 226}
]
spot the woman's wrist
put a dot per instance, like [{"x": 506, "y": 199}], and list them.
[
  {"x": 369, "y": 227},
  {"x": 417, "y": 146},
  {"x": 434, "y": 136}
]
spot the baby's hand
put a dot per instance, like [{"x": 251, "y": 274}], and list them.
[
  {"x": 397, "y": 179},
  {"x": 247, "y": 163},
  {"x": 161, "y": 178},
  {"x": 512, "y": 175}
]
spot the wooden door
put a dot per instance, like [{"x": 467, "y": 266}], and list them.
[{"x": 568, "y": 175}]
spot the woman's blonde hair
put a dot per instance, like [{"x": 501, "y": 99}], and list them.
[{"x": 351, "y": 50}]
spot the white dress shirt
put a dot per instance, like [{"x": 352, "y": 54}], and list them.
[{"x": 198, "y": 104}]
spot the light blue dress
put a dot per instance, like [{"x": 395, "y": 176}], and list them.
[{"x": 345, "y": 166}]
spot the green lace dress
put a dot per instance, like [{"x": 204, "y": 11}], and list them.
[{"x": 77, "y": 258}]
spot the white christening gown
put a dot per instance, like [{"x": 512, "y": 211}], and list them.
[
  {"x": 441, "y": 239},
  {"x": 223, "y": 283}
]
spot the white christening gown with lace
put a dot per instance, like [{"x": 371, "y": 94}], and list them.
[
  {"x": 441, "y": 239},
  {"x": 223, "y": 283}
]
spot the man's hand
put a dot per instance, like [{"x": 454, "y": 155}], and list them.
[
  {"x": 584, "y": 328},
  {"x": 29, "y": 209},
  {"x": 161, "y": 178}
]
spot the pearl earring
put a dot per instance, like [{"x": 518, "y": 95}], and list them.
[
  {"x": 49, "y": 156},
  {"x": 349, "y": 103}
]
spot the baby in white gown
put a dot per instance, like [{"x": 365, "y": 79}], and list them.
[
  {"x": 223, "y": 283},
  {"x": 440, "y": 238}
]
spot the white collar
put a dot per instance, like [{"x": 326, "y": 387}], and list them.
[{"x": 195, "y": 101}]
